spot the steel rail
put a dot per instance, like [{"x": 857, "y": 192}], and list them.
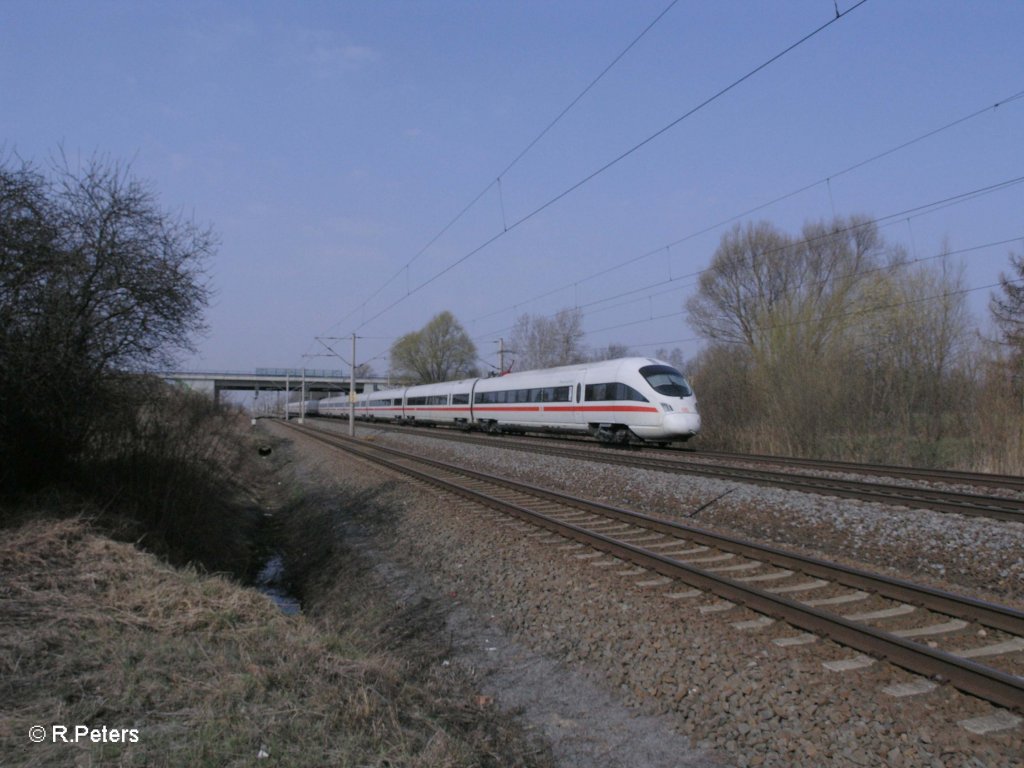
[
  {"x": 684, "y": 454},
  {"x": 1014, "y": 482},
  {"x": 990, "y": 614},
  {"x": 971, "y": 677},
  {"x": 994, "y": 507}
]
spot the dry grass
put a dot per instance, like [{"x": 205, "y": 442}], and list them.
[
  {"x": 95, "y": 632},
  {"x": 98, "y": 633}
]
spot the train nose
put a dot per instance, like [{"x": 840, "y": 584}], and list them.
[{"x": 682, "y": 423}]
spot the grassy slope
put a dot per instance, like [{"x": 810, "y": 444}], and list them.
[{"x": 97, "y": 632}]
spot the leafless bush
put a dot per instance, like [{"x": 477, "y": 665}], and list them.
[
  {"x": 996, "y": 429},
  {"x": 173, "y": 465}
]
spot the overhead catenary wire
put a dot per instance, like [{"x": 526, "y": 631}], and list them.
[
  {"x": 885, "y": 268},
  {"x": 761, "y": 206},
  {"x": 851, "y": 313},
  {"x": 509, "y": 166},
  {"x": 615, "y": 161},
  {"x": 886, "y": 220}
]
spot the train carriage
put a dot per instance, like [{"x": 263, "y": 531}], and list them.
[
  {"x": 444, "y": 403},
  {"x": 382, "y": 405},
  {"x": 614, "y": 400},
  {"x": 526, "y": 401}
]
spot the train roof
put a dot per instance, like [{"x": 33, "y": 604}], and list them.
[
  {"x": 615, "y": 362},
  {"x": 612, "y": 364}
]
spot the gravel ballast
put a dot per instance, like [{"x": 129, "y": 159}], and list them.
[{"x": 694, "y": 661}]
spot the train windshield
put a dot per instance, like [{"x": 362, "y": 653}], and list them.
[{"x": 666, "y": 380}]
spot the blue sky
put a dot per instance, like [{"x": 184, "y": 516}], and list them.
[{"x": 329, "y": 142}]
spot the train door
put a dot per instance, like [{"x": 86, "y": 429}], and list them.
[
  {"x": 579, "y": 415},
  {"x": 472, "y": 399}
]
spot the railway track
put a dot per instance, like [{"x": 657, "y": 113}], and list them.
[
  {"x": 952, "y": 477},
  {"x": 806, "y": 593},
  {"x": 916, "y": 497}
]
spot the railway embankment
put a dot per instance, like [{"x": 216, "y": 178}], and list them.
[
  {"x": 710, "y": 669},
  {"x": 111, "y": 655},
  {"x": 434, "y": 633},
  {"x": 361, "y": 520}
]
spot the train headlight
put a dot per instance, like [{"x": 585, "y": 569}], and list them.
[{"x": 666, "y": 408}]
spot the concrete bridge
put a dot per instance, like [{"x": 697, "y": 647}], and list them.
[{"x": 315, "y": 383}]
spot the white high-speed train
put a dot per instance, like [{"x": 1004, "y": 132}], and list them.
[{"x": 614, "y": 400}]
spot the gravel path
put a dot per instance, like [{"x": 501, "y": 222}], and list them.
[{"x": 732, "y": 692}]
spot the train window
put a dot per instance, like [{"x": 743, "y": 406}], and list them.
[
  {"x": 461, "y": 398},
  {"x": 614, "y": 390},
  {"x": 559, "y": 394},
  {"x": 666, "y": 380},
  {"x": 626, "y": 392},
  {"x": 578, "y": 392}
]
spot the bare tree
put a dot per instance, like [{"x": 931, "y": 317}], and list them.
[
  {"x": 914, "y": 338},
  {"x": 748, "y": 278},
  {"x": 95, "y": 281},
  {"x": 771, "y": 292},
  {"x": 609, "y": 352},
  {"x": 545, "y": 342},
  {"x": 364, "y": 371},
  {"x": 788, "y": 302},
  {"x": 440, "y": 351},
  {"x": 1008, "y": 309},
  {"x": 673, "y": 357},
  {"x": 841, "y": 348}
]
